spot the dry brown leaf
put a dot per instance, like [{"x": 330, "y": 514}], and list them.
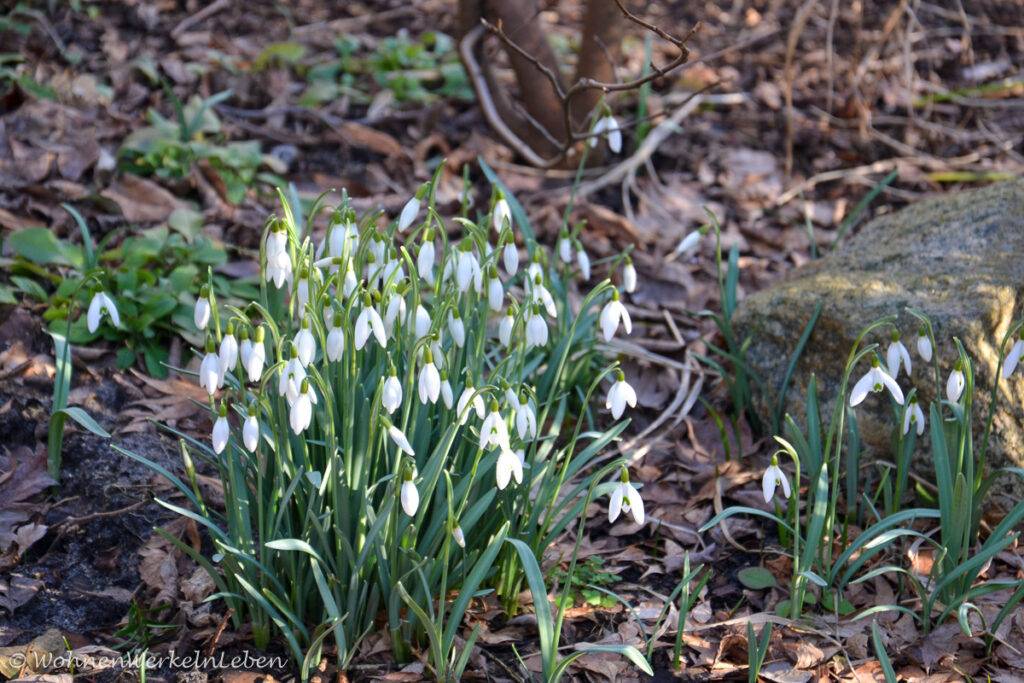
[
  {"x": 379, "y": 142},
  {"x": 142, "y": 200}
]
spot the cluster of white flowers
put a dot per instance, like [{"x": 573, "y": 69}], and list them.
[{"x": 375, "y": 296}]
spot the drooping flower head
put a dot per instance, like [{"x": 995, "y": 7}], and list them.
[
  {"x": 913, "y": 415},
  {"x": 625, "y": 498},
  {"x": 774, "y": 476},
  {"x": 221, "y": 430},
  {"x": 955, "y": 383},
  {"x": 1013, "y": 357},
  {"x": 896, "y": 354},
  {"x": 101, "y": 304},
  {"x": 611, "y": 314},
  {"x": 874, "y": 380},
  {"x": 620, "y": 395},
  {"x": 924, "y": 344}
]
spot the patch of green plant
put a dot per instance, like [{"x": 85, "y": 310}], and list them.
[
  {"x": 169, "y": 148},
  {"x": 142, "y": 629},
  {"x": 153, "y": 278},
  {"x": 590, "y": 577}
]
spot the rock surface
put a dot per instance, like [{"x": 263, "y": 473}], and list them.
[{"x": 959, "y": 259}]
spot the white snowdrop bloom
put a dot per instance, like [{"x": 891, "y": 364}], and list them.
[
  {"x": 510, "y": 258},
  {"x": 251, "y": 432},
  {"x": 688, "y": 243},
  {"x": 1013, "y": 357},
  {"x": 458, "y": 536},
  {"x": 391, "y": 393},
  {"x": 395, "y": 311},
  {"x": 508, "y": 324},
  {"x": 277, "y": 241},
  {"x": 534, "y": 270},
  {"x": 495, "y": 290},
  {"x": 350, "y": 284},
  {"x": 343, "y": 238},
  {"x": 501, "y": 216},
  {"x": 422, "y": 322},
  {"x": 542, "y": 296},
  {"x": 256, "y": 357},
  {"x": 896, "y": 353},
  {"x": 611, "y": 314},
  {"x": 221, "y": 430},
  {"x": 429, "y": 385},
  {"x": 468, "y": 270},
  {"x": 410, "y": 496},
  {"x": 201, "y": 315},
  {"x": 301, "y": 413},
  {"x": 369, "y": 321},
  {"x": 955, "y": 383},
  {"x": 526, "y": 420},
  {"x": 335, "y": 342},
  {"x": 873, "y": 381},
  {"x": 565, "y": 248},
  {"x": 913, "y": 415},
  {"x": 393, "y": 270},
  {"x": 440, "y": 360},
  {"x": 774, "y": 476},
  {"x": 457, "y": 328},
  {"x": 608, "y": 126},
  {"x": 379, "y": 248},
  {"x": 508, "y": 466},
  {"x": 228, "y": 355},
  {"x": 447, "y": 395},
  {"x": 302, "y": 288},
  {"x": 400, "y": 439},
  {"x": 583, "y": 261},
  {"x": 494, "y": 432},
  {"x": 470, "y": 397},
  {"x": 924, "y": 344},
  {"x": 291, "y": 377},
  {"x": 511, "y": 398},
  {"x": 425, "y": 259},
  {"x": 629, "y": 276},
  {"x": 305, "y": 343},
  {"x": 209, "y": 370},
  {"x": 244, "y": 348},
  {"x": 409, "y": 213},
  {"x": 279, "y": 262},
  {"x": 536, "y": 330},
  {"x": 626, "y": 498},
  {"x": 620, "y": 395},
  {"x": 101, "y": 303}
]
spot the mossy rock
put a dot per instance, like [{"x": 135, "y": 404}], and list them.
[{"x": 959, "y": 259}]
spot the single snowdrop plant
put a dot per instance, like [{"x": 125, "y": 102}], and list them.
[
  {"x": 874, "y": 380},
  {"x": 774, "y": 477},
  {"x": 100, "y": 305},
  {"x": 625, "y": 498},
  {"x": 955, "y": 383},
  {"x": 913, "y": 415},
  {"x": 620, "y": 395}
]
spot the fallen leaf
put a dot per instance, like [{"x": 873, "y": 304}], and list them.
[{"x": 142, "y": 200}]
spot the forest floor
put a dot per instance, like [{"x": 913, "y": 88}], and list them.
[{"x": 351, "y": 95}]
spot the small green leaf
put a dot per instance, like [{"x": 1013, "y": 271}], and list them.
[
  {"x": 85, "y": 419},
  {"x": 757, "y": 578},
  {"x": 40, "y": 246}
]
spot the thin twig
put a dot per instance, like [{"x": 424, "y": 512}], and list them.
[{"x": 190, "y": 21}]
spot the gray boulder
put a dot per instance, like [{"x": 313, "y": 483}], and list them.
[{"x": 959, "y": 259}]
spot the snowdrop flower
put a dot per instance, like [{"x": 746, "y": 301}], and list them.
[
  {"x": 343, "y": 236},
  {"x": 393, "y": 270},
  {"x": 629, "y": 276},
  {"x": 458, "y": 536},
  {"x": 501, "y": 215},
  {"x": 201, "y": 316},
  {"x": 511, "y": 397},
  {"x": 301, "y": 414},
  {"x": 508, "y": 466},
  {"x": 536, "y": 329},
  {"x": 440, "y": 360},
  {"x": 209, "y": 369},
  {"x": 468, "y": 269},
  {"x": 251, "y": 430},
  {"x": 913, "y": 415},
  {"x": 395, "y": 311},
  {"x": 425, "y": 259},
  {"x": 101, "y": 303},
  {"x": 305, "y": 343},
  {"x": 611, "y": 314},
  {"x": 495, "y": 290},
  {"x": 228, "y": 356},
  {"x": 457, "y": 328},
  {"x": 565, "y": 247},
  {"x": 221, "y": 430},
  {"x": 350, "y": 283},
  {"x": 399, "y": 438},
  {"x": 493, "y": 431},
  {"x": 391, "y": 393},
  {"x": 335, "y": 341},
  {"x": 411, "y": 209},
  {"x": 897, "y": 352},
  {"x": 608, "y": 125},
  {"x": 302, "y": 291},
  {"x": 410, "y": 496},
  {"x": 526, "y": 420},
  {"x": 688, "y": 243},
  {"x": 583, "y": 261},
  {"x": 542, "y": 296},
  {"x": 625, "y": 498},
  {"x": 422, "y": 322},
  {"x": 873, "y": 381},
  {"x": 470, "y": 396},
  {"x": 291, "y": 377},
  {"x": 254, "y": 355},
  {"x": 279, "y": 262},
  {"x": 773, "y": 476},
  {"x": 955, "y": 383},
  {"x": 508, "y": 324},
  {"x": 924, "y": 344},
  {"x": 1013, "y": 357},
  {"x": 447, "y": 395},
  {"x": 369, "y": 320},
  {"x": 510, "y": 257},
  {"x": 619, "y": 396},
  {"x": 429, "y": 384}
]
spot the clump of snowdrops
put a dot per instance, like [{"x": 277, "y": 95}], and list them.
[{"x": 394, "y": 407}]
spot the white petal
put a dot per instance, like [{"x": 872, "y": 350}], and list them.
[
  {"x": 221, "y": 430},
  {"x": 892, "y": 386},
  {"x": 251, "y": 433},
  {"x": 400, "y": 439},
  {"x": 615, "y": 504},
  {"x": 924, "y": 347},
  {"x": 860, "y": 390},
  {"x": 93, "y": 316},
  {"x": 1012, "y": 358},
  {"x": 408, "y": 215},
  {"x": 892, "y": 359},
  {"x": 768, "y": 482},
  {"x": 636, "y": 503},
  {"x": 785, "y": 482},
  {"x": 410, "y": 498}
]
